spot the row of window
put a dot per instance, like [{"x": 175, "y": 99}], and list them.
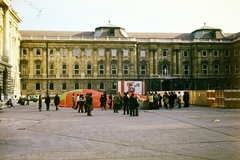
[
  {"x": 101, "y": 86},
  {"x": 101, "y": 52},
  {"x": 143, "y": 71}
]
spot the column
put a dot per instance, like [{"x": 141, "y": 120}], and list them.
[{"x": 6, "y": 34}]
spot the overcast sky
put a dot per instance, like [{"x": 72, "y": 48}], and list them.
[{"x": 181, "y": 16}]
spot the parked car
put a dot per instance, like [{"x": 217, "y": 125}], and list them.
[{"x": 32, "y": 98}]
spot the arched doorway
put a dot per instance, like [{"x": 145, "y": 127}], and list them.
[{"x": 166, "y": 85}]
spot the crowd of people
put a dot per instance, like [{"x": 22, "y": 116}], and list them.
[{"x": 128, "y": 102}]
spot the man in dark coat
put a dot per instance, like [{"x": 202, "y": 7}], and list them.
[
  {"x": 47, "y": 101},
  {"x": 56, "y": 101},
  {"x": 125, "y": 103},
  {"x": 186, "y": 99},
  {"x": 133, "y": 104}
]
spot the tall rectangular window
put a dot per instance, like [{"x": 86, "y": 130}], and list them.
[
  {"x": 204, "y": 53},
  {"x": 64, "y": 86},
  {"x": 125, "y": 53},
  {"x": 101, "y": 52},
  {"x": 227, "y": 54},
  {"x": 24, "y": 52},
  {"x": 37, "y": 86},
  {"x": 164, "y": 53},
  {"x": 89, "y": 85},
  {"x": 38, "y": 69},
  {"x": 101, "y": 86},
  {"x": 76, "y": 86},
  {"x": 215, "y": 53},
  {"x": 51, "y": 86},
  {"x": 76, "y": 52},
  {"x": 142, "y": 53},
  {"x": 38, "y": 52},
  {"x": 24, "y": 86},
  {"x": 114, "y": 52},
  {"x": 88, "y": 52},
  {"x": 185, "y": 54},
  {"x": 114, "y": 86}
]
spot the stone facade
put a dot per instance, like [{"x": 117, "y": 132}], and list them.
[
  {"x": 53, "y": 62},
  {"x": 9, "y": 51}
]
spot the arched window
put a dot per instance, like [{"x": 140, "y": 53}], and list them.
[
  {"x": 38, "y": 69},
  {"x": 76, "y": 69},
  {"x": 142, "y": 70},
  {"x": 101, "y": 69},
  {"x": 186, "y": 69},
  {"x": 113, "y": 69},
  {"x": 204, "y": 69},
  {"x": 64, "y": 69},
  {"x": 227, "y": 69},
  {"x": 89, "y": 69},
  {"x": 216, "y": 69},
  {"x": 125, "y": 69}
]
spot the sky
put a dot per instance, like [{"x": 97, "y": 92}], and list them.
[{"x": 174, "y": 16}]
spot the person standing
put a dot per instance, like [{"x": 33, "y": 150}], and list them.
[
  {"x": 77, "y": 102},
  {"x": 116, "y": 101},
  {"x": 47, "y": 101},
  {"x": 81, "y": 103},
  {"x": 179, "y": 99},
  {"x": 89, "y": 104},
  {"x": 56, "y": 101},
  {"x": 160, "y": 100},
  {"x": 186, "y": 99},
  {"x": 171, "y": 100},
  {"x": 102, "y": 102},
  {"x": 125, "y": 104},
  {"x": 40, "y": 103},
  {"x": 73, "y": 101},
  {"x": 150, "y": 99},
  {"x": 133, "y": 104},
  {"x": 110, "y": 98}
]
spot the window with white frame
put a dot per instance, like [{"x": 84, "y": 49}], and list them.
[
  {"x": 125, "y": 69},
  {"x": 216, "y": 69},
  {"x": 76, "y": 69},
  {"x": 215, "y": 53},
  {"x": 227, "y": 69},
  {"x": 185, "y": 54},
  {"x": 37, "y": 86},
  {"x": 101, "y": 52},
  {"x": 142, "y": 70},
  {"x": 51, "y": 86},
  {"x": 76, "y": 52},
  {"x": 64, "y": 86},
  {"x": 38, "y": 52},
  {"x": 24, "y": 69},
  {"x": 64, "y": 69},
  {"x": 227, "y": 53},
  {"x": 101, "y": 86},
  {"x": 204, "y": 69},
  {"x": 204, "y": 53},
  {"x": 142, "y": 53},
  {"x": 38, "y": 69},
  {"x": 88, "y": 52},
  {"x": 114, "y": 52},
  {"x": 114, "y": 86},
  {"x": 76, "y": 85},
  {"x": 186, "y": 69},
  {"x": 236, "y": 68},
  {"x": 101, "y": 69},
  {"x": 89, "y": 85},
  {"x": 113, "y": 69},
  {"x": 125, "y": 53},
  {"x": 89, "y": 69},
  {"x": 164, "y": 53},
  {"x": 164, "y": 69},
  {"x": 51, "y": 69}
]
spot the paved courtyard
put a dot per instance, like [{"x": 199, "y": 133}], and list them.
[{"x": 194, "y": 133}]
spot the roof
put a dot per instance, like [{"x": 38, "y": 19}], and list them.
[{"x": 109, "y": 25}]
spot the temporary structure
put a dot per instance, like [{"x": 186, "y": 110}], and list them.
[{"x": 66, "y": 98}]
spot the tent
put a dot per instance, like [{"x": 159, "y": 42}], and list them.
[{"x": 66, "y": 98}]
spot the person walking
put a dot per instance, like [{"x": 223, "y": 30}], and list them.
[
  {"x": 56, "y": 101},
  {"x": 40, "y": 103},
  {"x": 116, "y": 101},
  {"x": 47, "y": 102},
  {"x": 125, "y": 104},
  {"x": 28, "y": 99}
]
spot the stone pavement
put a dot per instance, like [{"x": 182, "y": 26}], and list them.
[{"x": 194, "y": 133}]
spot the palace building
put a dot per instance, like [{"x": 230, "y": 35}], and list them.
[
  {"x": 9, "y": 51},
  {"x": 53, "y": 62}
]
